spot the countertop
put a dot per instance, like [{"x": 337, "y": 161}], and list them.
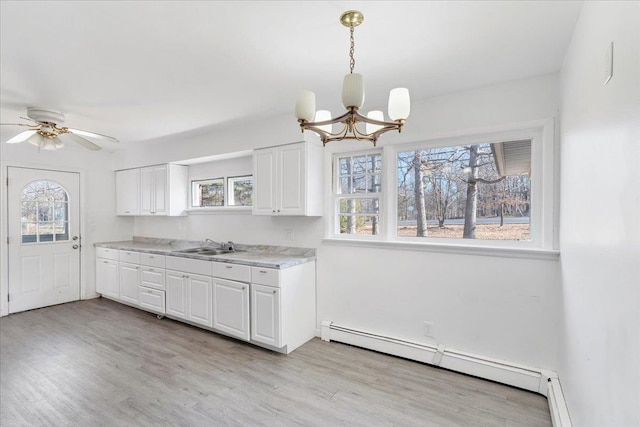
[{"x": 279, "y": 257}]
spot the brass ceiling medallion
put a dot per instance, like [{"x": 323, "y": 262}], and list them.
[
  {"x": 351, "y": 18},
  {"x": 352, "y": 99}
]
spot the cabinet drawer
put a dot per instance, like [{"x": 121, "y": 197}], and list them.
[
  {"x": 130, "y": 256},
  {"x": 265, "y": 276},
  {"x": 152, "y": 277},
  {"x": 152, "y": 260},
  {"x": 188, "y": 265},
  {"x": 225, "y": 270},
  {"x": 152, "y": 299},
  {"x": 107, "y": 253}
]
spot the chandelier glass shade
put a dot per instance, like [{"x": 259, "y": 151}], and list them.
[{"x": 354, "y": 125}]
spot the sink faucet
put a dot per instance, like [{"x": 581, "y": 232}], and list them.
[
  {"x": 229, "y": 245},
  {"x": 214, "y": 242}
]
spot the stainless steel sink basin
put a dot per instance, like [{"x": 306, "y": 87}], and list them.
[{"x": 206, "y": 251}]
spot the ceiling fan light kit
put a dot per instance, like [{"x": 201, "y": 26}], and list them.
[
  {"x": 46, "y": 134},
  {"x": 352, "y": 99}
]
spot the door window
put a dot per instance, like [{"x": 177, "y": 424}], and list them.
[{"x": 45, "y": 212}]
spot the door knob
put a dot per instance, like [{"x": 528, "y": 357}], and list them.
[{"x": 75, "y": 246}]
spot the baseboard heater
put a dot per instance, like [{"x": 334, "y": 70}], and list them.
[{"x": 532, "y": 379}]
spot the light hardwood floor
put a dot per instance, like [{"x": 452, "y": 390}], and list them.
[{"x": 98, "y": 362}]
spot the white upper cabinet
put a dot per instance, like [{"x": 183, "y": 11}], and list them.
[
  {"x": 128, "y": 192},
  {"x": 154, "y": 190},
  {"x": 287, "y": 180}
]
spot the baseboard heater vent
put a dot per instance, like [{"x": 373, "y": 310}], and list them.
[
  {"x": 537, "y": 380},
  {"x": 491, "y": 369}
]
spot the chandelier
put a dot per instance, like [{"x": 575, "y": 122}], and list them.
[{"x": 352, "y": 100}]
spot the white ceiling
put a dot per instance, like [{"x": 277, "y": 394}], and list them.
[{"x": 141, "y": 70}]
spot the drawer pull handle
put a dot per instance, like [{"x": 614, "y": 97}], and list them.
[
  {"x": 106, "y": 262},
  {"x": 151, "y": 256},
  {"x": 263, "y": 272},
  {"x": 244, "y": 287},
  {"x": 228, "y": 266},
  {"x": 274, "y": 292},
  {"x": 151, "y": 269}
]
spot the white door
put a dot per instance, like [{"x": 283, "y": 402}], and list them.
[
  {"x": 231, "y": 308},
  {"x": 44, "y": 237},
  {"x": 265, "y": 315},
  {"x": 146, "y": 191}
]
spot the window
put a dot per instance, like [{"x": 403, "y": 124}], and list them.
[
  {"x": 240, "y": 190},
  {"x": 476, "y": 191},
  {"x": 493, "y": 190},
  {"x": 207, "y": 193},
  {"x": 45, "y": 212},
  {"x": 358, "y": 193}
]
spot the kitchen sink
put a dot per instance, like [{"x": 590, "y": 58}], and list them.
[{"x": 206, "y": 251}]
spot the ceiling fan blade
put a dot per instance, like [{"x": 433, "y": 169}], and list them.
[
  {"x": 92, "y": 134},
  {"x": 18, "y": 124},
  {"x": 21, "y": 136},
  {"x": 80, "y": 141}
]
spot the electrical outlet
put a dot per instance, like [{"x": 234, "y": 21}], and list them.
[
  {"x": 428, "y": 329},
  {"x": 291, "y": 234}
]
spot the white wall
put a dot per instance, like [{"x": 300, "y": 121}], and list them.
[
  {"x": 97, "y": 182},
  {"x": 500, "y": 307},
  {"x": 600, "y": 227}
]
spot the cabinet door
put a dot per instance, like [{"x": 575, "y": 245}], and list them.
[
  {"x": 160, "y": 190},
  {"x": 146, "y": 191},
  {"x": 176, "y": 293},
  {"x": 128, "y": 192},
  {"x": 291, "y": 180},
  {"x": 264, "y": 181},
  {"x": 231, "y": 308},
  {"x": 129, "y": 281},
  {"x": 265, "y": 315},
  {"x": 107, "y": 282},
  {"x": 199, "y": 299}
]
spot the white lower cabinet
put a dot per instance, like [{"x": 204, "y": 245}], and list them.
[
  {"x": 189, "y": 297},
  {"x": 266, "y": 315},
  {"x": 274, "y": 308},
  {"x": 129, "y": 280},
  {"x": 107, "y": 277},
  {"x": 176, "y": 294},
  {"x": 231, "y": 308}
]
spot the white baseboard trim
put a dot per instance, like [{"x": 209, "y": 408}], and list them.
[
  {"x": 557, "y": 404},
  {"x": 537, "y": 380}
]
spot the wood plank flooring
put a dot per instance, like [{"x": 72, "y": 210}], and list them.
[{"x": 100, "y": 363}]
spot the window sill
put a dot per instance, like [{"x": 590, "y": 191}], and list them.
[
  {"x": 495, "y": 251},
  {"x": 221, "y": 210}
]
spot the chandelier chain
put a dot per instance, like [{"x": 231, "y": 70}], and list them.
[{"x": 352, "y": 61}]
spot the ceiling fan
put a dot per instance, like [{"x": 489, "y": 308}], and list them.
[{"x": 45, "y": 132}]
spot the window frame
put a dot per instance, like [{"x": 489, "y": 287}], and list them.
[
  {"x": 335, "y": 196},
  {"x": 231, "y": 195},
  {"x": 53, "y": 222},
  {"x": 544, "y": 195},
  {"x": 211, "y": 181}
]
